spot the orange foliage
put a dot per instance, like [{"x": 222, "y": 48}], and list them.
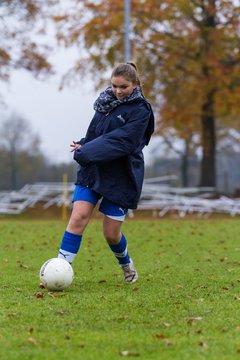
[
  {"x": 185, "y": 50},
  {"x": 17, "y": 50}
]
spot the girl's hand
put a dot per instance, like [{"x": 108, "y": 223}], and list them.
[{"x": 74, "y": 146}]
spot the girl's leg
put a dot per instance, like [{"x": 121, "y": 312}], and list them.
[
  {"x": 72, "y": 237},
  {"x": 118, "y": 244},
  {"x": 116, "y": 240}
]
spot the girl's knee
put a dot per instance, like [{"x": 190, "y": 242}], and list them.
[
  {"x": 112, "y": 235},
  {"x": 78, "y": 221}
]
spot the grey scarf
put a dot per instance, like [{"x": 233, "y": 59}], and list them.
[{"x": 107, "y": 101}]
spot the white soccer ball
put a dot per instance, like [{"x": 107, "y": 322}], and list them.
[{"x": 56, "y": 274}]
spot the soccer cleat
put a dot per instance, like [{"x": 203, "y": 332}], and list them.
[{"x": 130, "y": 273}]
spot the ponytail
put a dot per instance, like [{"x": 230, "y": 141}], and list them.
[{"x": 129, "y": 71}]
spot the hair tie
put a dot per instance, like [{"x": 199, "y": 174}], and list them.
[{"x": 132, "y": 64}]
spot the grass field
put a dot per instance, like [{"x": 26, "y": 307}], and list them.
[{"x": 186, "y": 304}]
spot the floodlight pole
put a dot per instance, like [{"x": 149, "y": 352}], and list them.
[{"x": 127, "y": 45}]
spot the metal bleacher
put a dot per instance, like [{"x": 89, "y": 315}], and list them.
[
  {"x": 157, "y": 196},
  {"x": 47, "y": 194}
]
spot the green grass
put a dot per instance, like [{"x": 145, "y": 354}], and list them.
[{"x": 186, "y": 304}]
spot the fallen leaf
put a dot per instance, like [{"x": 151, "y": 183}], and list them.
[
  {"x": 200, "y": 287},
  {"x": 196, "y": 318},
  {"x": 102, "y": 281},
  {"x": 39, "y": 295},
  {"x": 32, "y": 341},
  {"x": 168, "y": 342},
  {"x": 164, "y": 338},
  {"x": 178, "y": 286},
  {"x": 160, "y": 336},
  {"x": 167, "y": 267},
  {"x": 56, "y": 295},
  {"x": 202, "y": 344},
  {"x": 129, "y": 353},
  {"x": 192, "y": 319},
  {"x": 11, "y": 315},
  {"x": 116, "y": 275},
  {"x": 165, "y": 325},
  {"x": 24, "y": 266},
  {"x": 61, "y": 313}
]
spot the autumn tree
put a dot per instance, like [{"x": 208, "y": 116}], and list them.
[
  {"x": 21, "y": 28},
  {"x": 187, "y": 53},
  {"x": 16, "y": 138},
  {"x": 207, "y": 85}
]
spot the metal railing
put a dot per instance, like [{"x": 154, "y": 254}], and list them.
[{"x": 157, "y": 196}]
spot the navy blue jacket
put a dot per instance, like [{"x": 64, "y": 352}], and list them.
[{"x": 111, "y": 159}]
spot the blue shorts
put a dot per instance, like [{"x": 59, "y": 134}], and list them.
[{"x": 106, "y": 207}]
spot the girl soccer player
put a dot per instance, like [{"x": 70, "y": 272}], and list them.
[{"x": 111, "y": 165}]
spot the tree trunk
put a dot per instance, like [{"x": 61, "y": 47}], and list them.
[
  {"x": 208, "y": 172},
  {"x": 13, "y": 167},
  {"x": 184, "y": 164}
]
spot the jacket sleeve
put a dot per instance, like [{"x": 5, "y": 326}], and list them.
[
  {"x": 116, "y": 143},
  {"x": 81, "y": 141}
]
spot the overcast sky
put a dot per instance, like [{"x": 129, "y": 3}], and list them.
[{"x": 57, "y": 116}]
